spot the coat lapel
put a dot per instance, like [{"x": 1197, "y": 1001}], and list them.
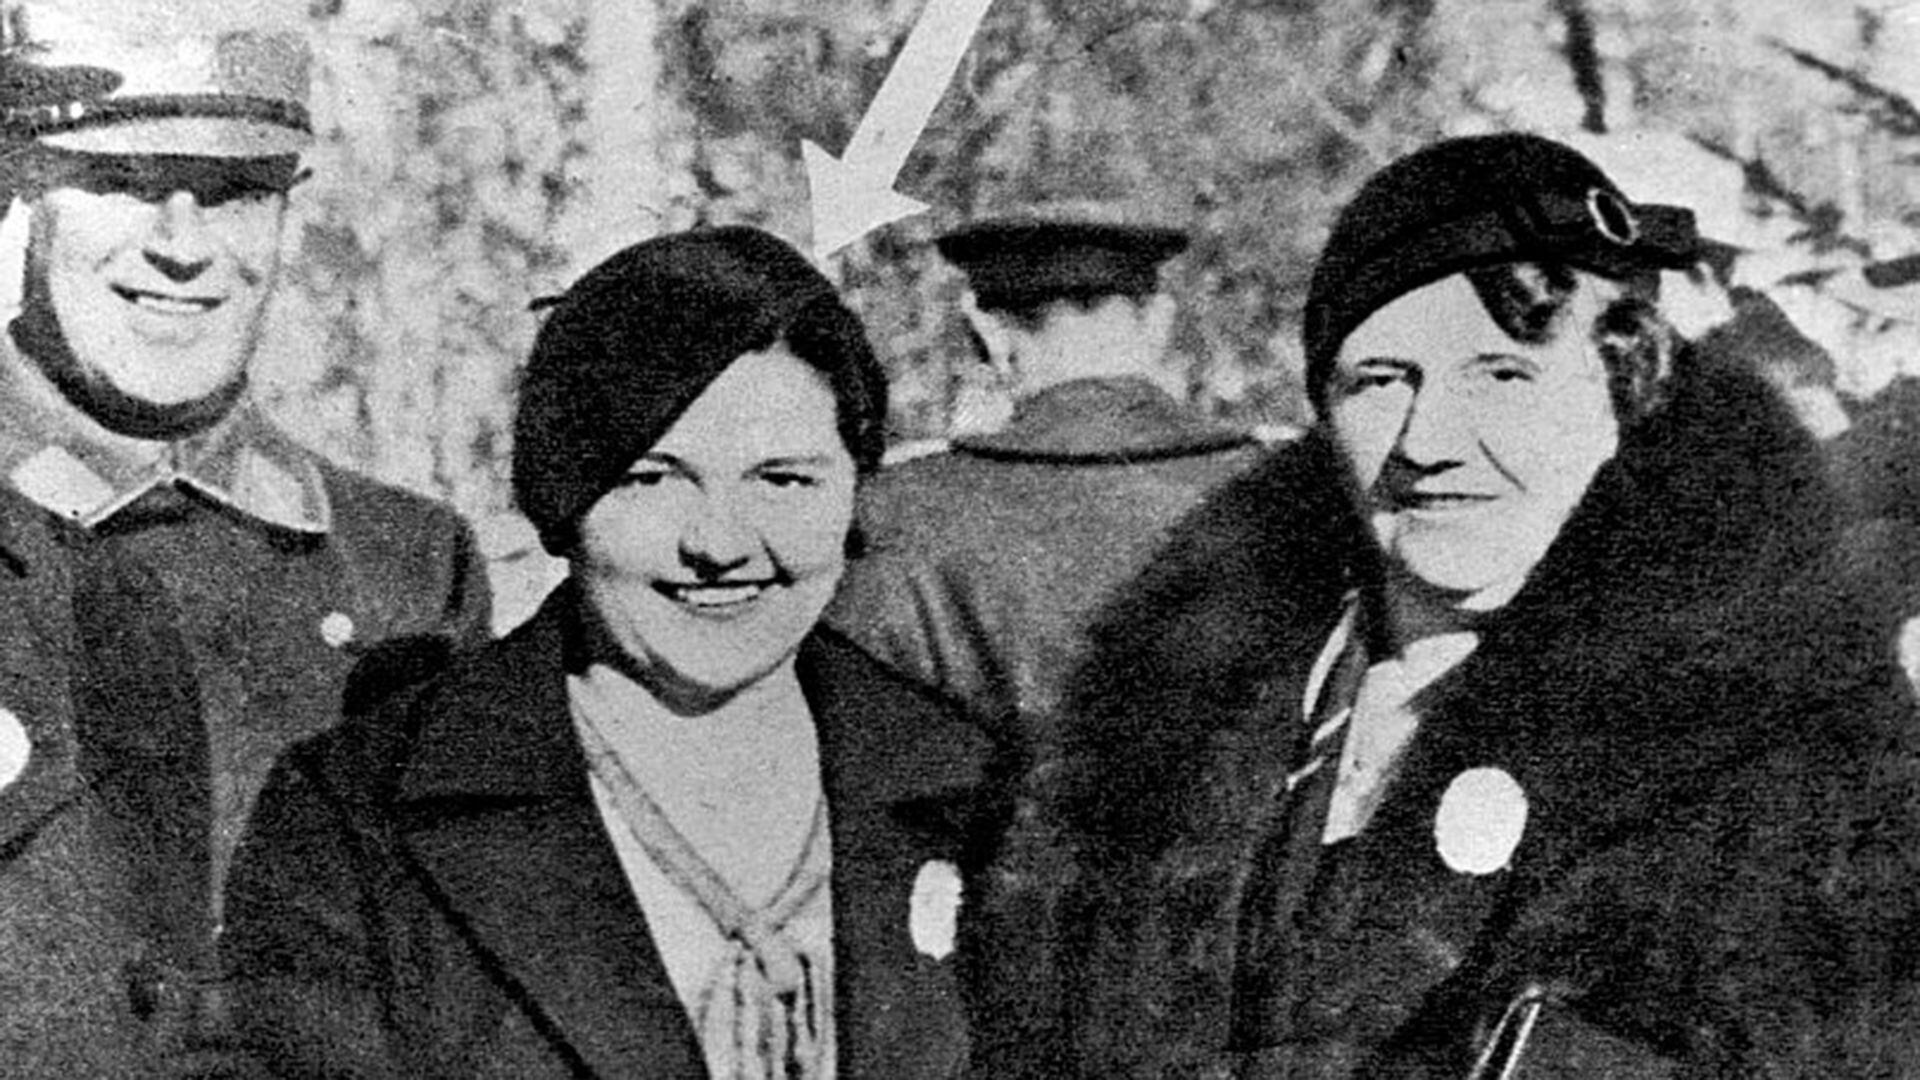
[
  {"x": 498, "y": 817},
  {"x": 904, "y": 779}
]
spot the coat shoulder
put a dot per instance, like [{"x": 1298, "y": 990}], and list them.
[
  {"x": 422, "y": 555},
  {"x": 912, "y": 503},
  {"x": 364, "y": 503}
]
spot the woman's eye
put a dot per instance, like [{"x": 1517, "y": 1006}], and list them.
[
  {"x": 1506, "y": 369},
  {"x": 790, "y": 480},
  {"x": 647, "y": 478},
  {"x": 1375, "y": 379}
]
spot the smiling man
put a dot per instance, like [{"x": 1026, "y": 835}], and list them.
[
  {"x": 149, "y": 150},
  {"x": 147, "y": 280}
]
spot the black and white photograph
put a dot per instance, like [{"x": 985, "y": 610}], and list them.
[{"x": 959, "y": 539}]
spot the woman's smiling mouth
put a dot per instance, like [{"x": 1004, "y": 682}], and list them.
[
  {"x": 166, "y": 303},
  {"x": 1435, "y": 502},
  {"x": 715, "y": 597}
]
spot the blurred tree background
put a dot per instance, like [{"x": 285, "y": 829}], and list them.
[{"x": 477, "y": 154}]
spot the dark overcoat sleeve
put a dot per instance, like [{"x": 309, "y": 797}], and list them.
[{"x": 304, "y": 945}]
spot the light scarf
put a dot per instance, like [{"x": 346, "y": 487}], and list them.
[
  {"x": 764, "y": 1012},
  {"x": 1368, "y": 721}
]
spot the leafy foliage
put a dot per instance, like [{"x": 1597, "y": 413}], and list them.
[{"x": 471, "y": 162}]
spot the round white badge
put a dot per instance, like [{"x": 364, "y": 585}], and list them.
[
  {"x": 337, "y": 629},
  {"x": 1482, "y": 817},
  {"x": 1909, "y": 647},
  {"x": 15, "y": 748},
  {"x": 933, "y": 918}
]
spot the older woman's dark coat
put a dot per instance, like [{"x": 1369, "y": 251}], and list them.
[
  {"x": 430, "y": 890},
  {"x": 1717, "y": 876}
]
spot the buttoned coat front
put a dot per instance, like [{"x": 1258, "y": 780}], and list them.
[
  {"x": 1715, "y": 770},
  {"x": 430, "y": 891},
  {"x": 207, "y": 644},
  {"x": 70, "y": 920}
]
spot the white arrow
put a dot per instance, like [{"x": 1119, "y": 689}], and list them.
[{"x": 854, "y": 195}]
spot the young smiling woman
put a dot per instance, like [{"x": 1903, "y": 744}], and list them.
[
  {"x": 719, "y": 548},
  {"x": 667, "y": 828}
]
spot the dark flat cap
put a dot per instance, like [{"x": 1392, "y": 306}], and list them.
[
  {"x": 208, "y": 78},
  {"x": 1022, "y": 261}
]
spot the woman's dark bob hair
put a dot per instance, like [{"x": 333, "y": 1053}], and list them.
[{"x": 630, "y": 346}]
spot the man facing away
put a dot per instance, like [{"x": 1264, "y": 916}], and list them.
[
  {"x": 150, "y": 148},
  {"x": 985, "y": 563}
]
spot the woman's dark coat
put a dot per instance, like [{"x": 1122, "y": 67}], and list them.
[
  {"x": 1717, "y": 876},
  {"x": 430, "y": 891}
]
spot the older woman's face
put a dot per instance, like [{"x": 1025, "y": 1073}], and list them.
[
  {"x": 1469, "y": 449},
  {"x": 715, "y": 556}
]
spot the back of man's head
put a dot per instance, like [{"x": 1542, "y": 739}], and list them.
[{"x": 1062, "y": 294}]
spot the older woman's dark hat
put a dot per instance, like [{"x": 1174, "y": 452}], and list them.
[
  {"x": 1478, "y": 201},
  {"x": 630, "y": 346}
]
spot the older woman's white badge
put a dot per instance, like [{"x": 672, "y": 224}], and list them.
[
  {"x": 337, "y": 629},
  {"x": 933, "y": 915},
  {"x": 15, "y": 748},
  {"x": 1482, "y": 816},
  {"x": 1909, "y": 646}
]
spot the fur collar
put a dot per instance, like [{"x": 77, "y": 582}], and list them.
[{"x": 1684, "y": 573}]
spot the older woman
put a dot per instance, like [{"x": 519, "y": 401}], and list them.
[
  {"x": 667, "y": 828},
  {"x": 1513, "y": 724}
]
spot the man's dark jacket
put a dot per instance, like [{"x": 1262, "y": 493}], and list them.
[{"x": 163, "y": 661}]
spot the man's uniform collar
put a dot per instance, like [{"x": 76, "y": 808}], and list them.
[
  {"x": 244, "y": 463},
  {"x": 1103, "y": 421}
]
